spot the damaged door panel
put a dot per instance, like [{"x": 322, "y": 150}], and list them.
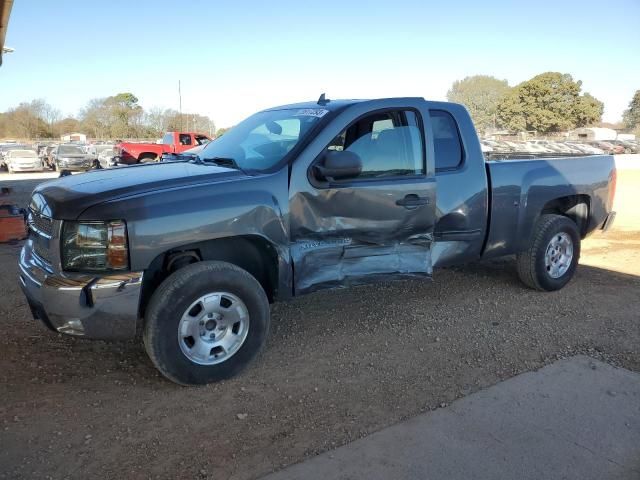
[{"x": 377, "y": 224}]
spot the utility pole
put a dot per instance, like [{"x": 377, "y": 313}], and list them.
[{"x": 180, "y": 100}]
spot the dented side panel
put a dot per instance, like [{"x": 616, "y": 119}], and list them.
[{"x": 356, "y": 233}]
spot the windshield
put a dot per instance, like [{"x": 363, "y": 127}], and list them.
[
  {"x": 263, "y": 139},
  {"x": 70, "y": 150},
  {"x": 23, "y": 153}
]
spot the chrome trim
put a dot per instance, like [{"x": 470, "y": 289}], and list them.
[
  {"x": 606, "y": 225},
  {"x": 35, "y": 230}
]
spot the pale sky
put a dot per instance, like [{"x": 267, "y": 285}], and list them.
[{"x": 234, "y": 58}]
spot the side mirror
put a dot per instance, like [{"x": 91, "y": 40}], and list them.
[{"x": 339, "y": 165}]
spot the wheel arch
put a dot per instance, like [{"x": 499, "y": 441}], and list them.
[
  {"x": 143, "y": 155},
  {"x": 252, "y": 253},
  {"x": 576, "y": 207}
]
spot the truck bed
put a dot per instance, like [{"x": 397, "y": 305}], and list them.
[{"x": 521, "y": 190}]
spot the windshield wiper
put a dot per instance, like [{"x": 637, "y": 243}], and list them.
[{"x": 220, "y": 161}]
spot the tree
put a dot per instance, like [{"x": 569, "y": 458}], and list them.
[
  {"x": 159, "y": 121},
  {"x": 118, "y": 116},
  {"x": 96, "y": 119},
  {"x": 549, "y": 102},
  {"x": 481, "y": 94},
  {"x": 28, "y": 120},
  {"x": 588, "y": 110},
  {"x": 631, "y": 116},
  {"x": 66, "y": 125}
]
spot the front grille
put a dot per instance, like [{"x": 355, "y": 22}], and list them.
[
  {"x": 41, "y": 232},
  {"x": 40, "y": 250},
  {"x": 41, "y": 223}
]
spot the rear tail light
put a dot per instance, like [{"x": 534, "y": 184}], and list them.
[{"x": 612, "y": 187}]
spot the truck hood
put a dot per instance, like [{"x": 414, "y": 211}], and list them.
[{"x": 67, "y": 197}]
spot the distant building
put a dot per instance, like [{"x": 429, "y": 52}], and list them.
[
  {"x": 592, "y": 134},
  {"x": 74, "y": 137}
]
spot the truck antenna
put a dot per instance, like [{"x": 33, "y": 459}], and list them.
[{"x": 323, "y": 100}]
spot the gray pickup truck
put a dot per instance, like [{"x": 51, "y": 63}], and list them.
[{"x": 189, "y": 254}]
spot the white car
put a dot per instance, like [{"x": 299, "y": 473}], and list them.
[
  {"x": 588, "y": 149},
  {"x": 23, "y": 161},
  {"x": 536, "y": 148}
]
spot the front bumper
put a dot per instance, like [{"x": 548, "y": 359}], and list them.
[
  {"x": 75, "y": 167},
  {"x": 101, "y": 307},
  {"x": 27, "y": 168}
]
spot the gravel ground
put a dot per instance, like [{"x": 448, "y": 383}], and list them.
[{"x": 338, "y": 365}]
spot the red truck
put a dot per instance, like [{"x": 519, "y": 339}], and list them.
[{"x": 128, "y": 153}]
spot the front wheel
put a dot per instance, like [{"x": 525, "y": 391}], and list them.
[
  {"x": 552, "y": 257},
  {"x": 205, "y": 323}
]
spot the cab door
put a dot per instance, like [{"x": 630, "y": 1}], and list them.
[{"x": 376, "y": 225}]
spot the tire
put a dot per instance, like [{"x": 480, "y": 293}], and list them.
[
  {"x": 535, "y": 269},
  {"x": 175, "y": 300},
  {"x": 148, "y": 160}
]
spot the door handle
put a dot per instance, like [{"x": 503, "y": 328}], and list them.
[{"x": 412, "y": 201}]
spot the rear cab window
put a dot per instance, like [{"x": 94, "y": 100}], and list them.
[{"x": 447, "y": 144}]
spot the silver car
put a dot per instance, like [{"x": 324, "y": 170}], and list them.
[{"x": 23, "y": 161}]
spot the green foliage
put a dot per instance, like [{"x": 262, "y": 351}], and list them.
[
  {"x": 549, "y": 102},
  {"x": 481, "y": 94},
  {"x": 588, "y": 110},
  {"x": 221, "y": 131},
  {"x": 631, "y": 116},
  {"x": 118, "y": 116}
]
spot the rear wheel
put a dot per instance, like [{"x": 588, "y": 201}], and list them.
[
  {"x": 205, "y": 323},
  {"x": 552, "y": 257}
]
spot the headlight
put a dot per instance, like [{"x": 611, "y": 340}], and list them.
[{"x": 95, "y": 246}]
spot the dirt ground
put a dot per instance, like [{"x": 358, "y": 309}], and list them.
[{"x": 338, "y": 365}]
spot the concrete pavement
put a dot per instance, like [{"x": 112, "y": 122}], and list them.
[{"x": 576, "y": 419}]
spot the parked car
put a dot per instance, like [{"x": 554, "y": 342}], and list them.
[
  {"x": 550, "y": 147},
  {"x": 629, "y": 147},
  {"x": 485, "y": 147},
  {"x": 68, "y": 156},
  {"x": 46, "y": 155},
  {"x": 5, "y": 147},
  {"x": 608, "y": 147},
  {"x": 291, "y": 200},
  {"x": 535, "y": 148},
  {"x": 23, "y": 161},
  {"x": 584, "y": 148},
  {"x": 106, "y": 157},
  {"x": 497, "y": 146},
  {"x": 96, "y": 149},
  {"x": 128, "y": 153}
]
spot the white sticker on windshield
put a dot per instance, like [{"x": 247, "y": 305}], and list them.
[{"x": 311, "y": 112}]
